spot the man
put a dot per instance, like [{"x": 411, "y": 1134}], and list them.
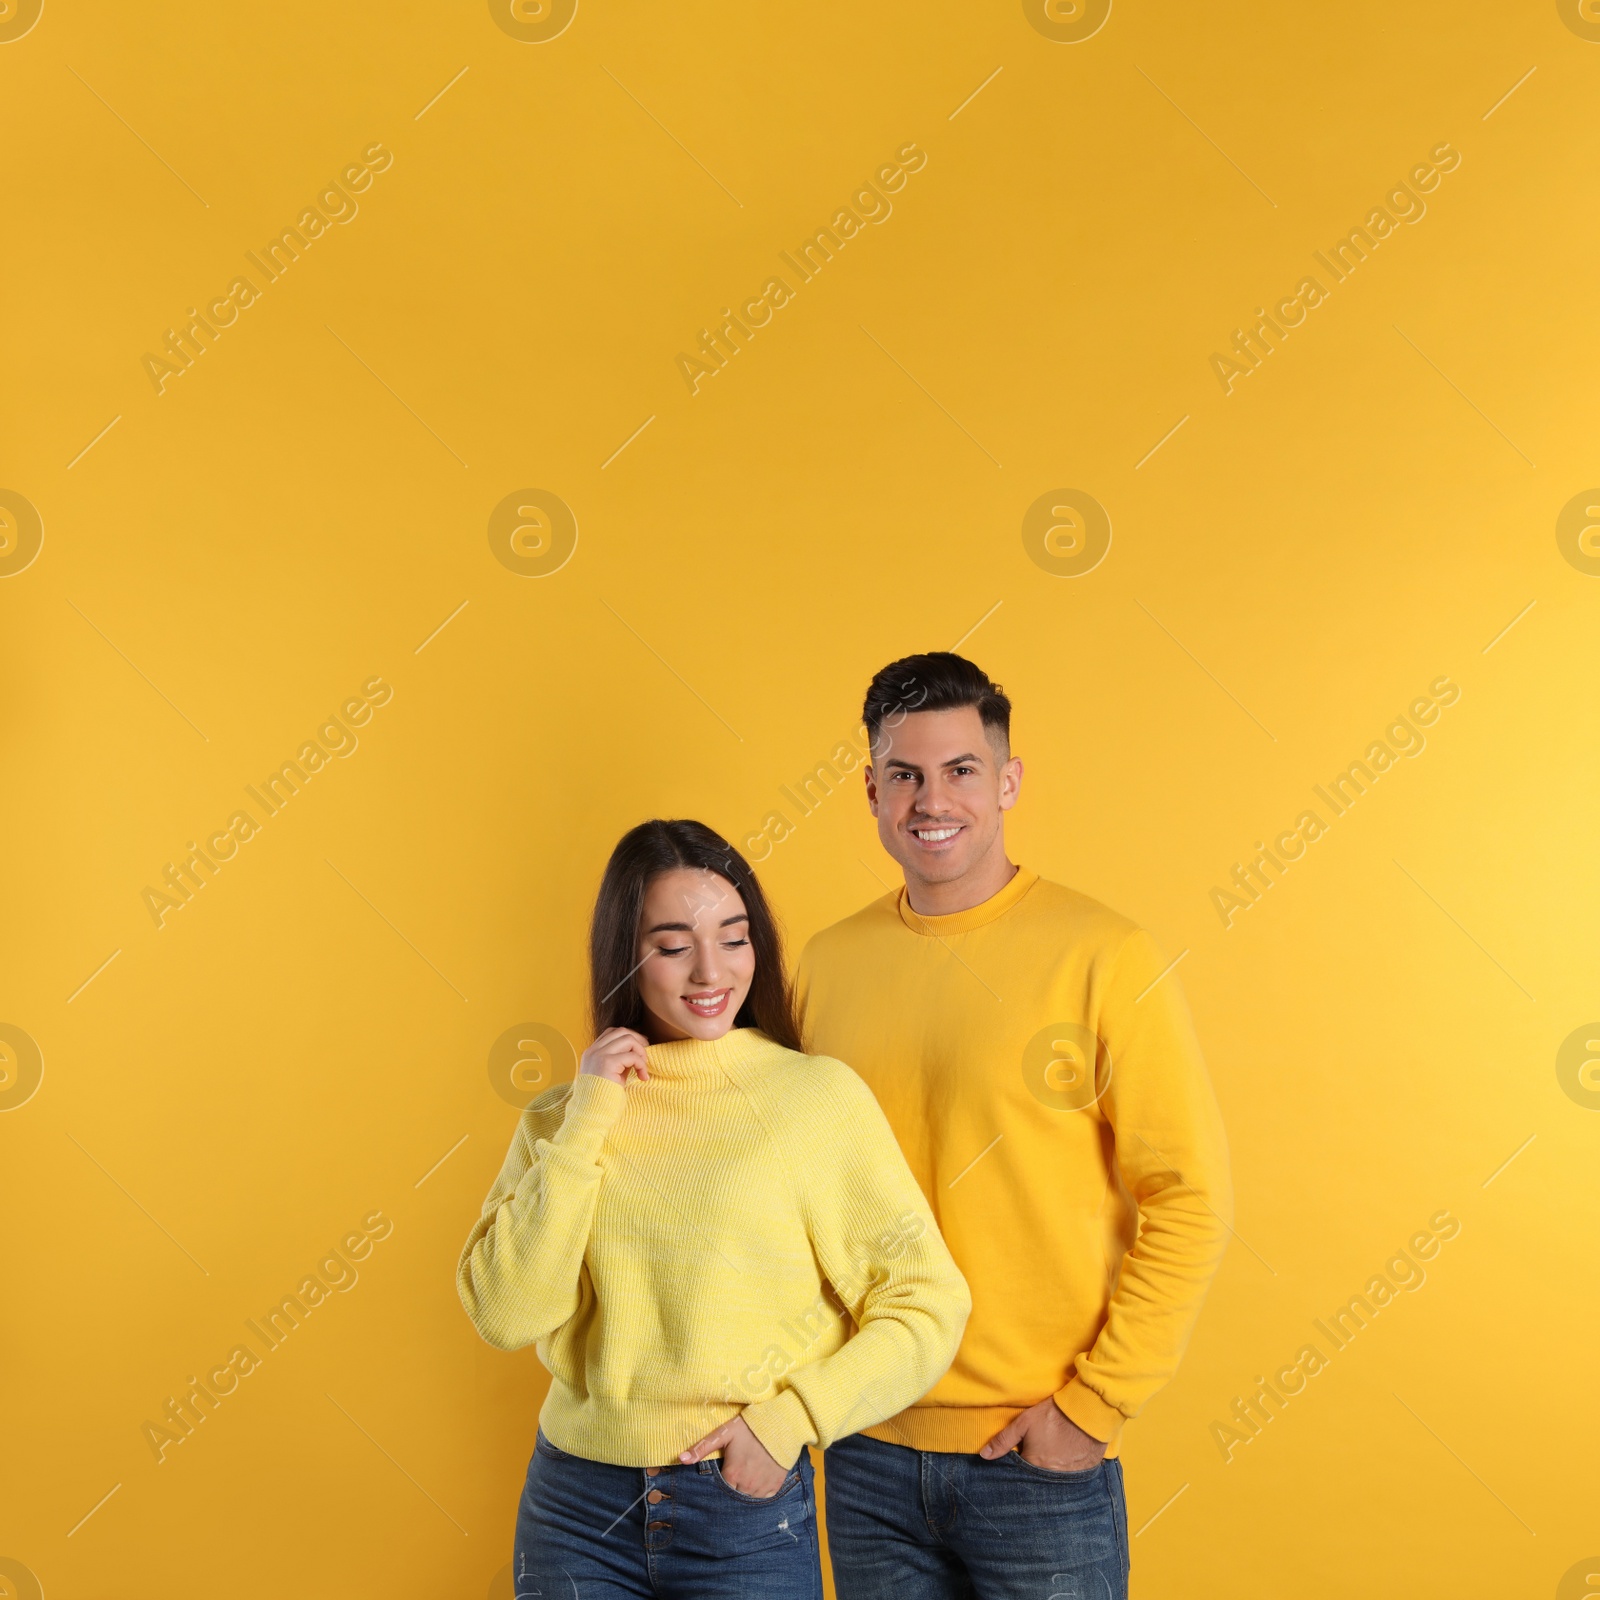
[{"x": 1036, "y": 1061}]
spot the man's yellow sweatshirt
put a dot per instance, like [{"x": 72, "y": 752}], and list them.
[
  {"x": 1037, "y": 1063},
  {"x": 739, "y": 1234}
]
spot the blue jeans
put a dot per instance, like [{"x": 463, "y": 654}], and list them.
[
  {"x": 663, "y": 1533},
  {"x": 926, "y": 1525}
]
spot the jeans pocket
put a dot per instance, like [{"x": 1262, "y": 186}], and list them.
[
  {"x": 1074, "y": 1475},
  {"x": 543, "y": 1446},
  {"x": 778, "y": 1535},
  {"x": 786, "y": 1487}
]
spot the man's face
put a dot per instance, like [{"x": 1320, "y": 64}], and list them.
[{"x": 939, "y": 788}]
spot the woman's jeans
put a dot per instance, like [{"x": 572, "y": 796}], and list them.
[
  {"x": 922, "y": 1525},
  {"x": 661, "y": 1533}
]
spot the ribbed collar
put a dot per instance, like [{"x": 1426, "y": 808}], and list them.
[
  {"x": 703, "y": 1060},
  {"x": 996, "y": 906}
]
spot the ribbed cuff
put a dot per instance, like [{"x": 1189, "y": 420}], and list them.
[
  {"x": 593, "y": 1106},
  {"x": 1079, "y": 1403},
  {"x": 783, "y": 1426}
]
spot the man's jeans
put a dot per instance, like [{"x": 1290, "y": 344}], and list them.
[
  {"x": 924, "y": 1525},
  {"x": 676, "y": 1533}
]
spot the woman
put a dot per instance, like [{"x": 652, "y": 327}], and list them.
[{"x": 682, "y": 1231}]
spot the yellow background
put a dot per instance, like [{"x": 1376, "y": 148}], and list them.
[{"x": 301, "y": 510}]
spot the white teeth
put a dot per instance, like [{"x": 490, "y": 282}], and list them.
[{"x": 934, "y": 835}]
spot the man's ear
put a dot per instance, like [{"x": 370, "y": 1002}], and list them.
[
  {"x": 872, "y": 789},
  {"x": 1010, "y": 783}
]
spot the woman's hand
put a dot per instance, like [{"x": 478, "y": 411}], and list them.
[
  {"x": 616, "y": 1053},
  {"x": 746, "y": 1466}
]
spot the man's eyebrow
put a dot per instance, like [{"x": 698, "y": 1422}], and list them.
[{"x": 954, "y": 761}]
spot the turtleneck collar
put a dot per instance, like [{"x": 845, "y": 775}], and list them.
[
  {"x": 1022, "y": 880},
  {"x": 705, "y": 1060}
]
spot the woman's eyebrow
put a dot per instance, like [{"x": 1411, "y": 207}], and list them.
[{"x": 688, "y": 927}]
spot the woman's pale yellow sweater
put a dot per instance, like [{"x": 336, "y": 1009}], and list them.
[{"x": 700, "y": 1245}]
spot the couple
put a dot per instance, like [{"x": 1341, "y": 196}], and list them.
[{"x": 946, "y": 1209}]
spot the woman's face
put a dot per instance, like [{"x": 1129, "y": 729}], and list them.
[{"x": 695, "y": 956}]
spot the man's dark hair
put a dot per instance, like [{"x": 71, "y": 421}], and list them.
[{"x": 937, "y": 681}]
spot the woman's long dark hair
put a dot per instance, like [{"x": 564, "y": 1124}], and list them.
[{"x": 643, "y": 854}]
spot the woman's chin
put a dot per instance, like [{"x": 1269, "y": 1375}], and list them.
[
  {"x": 707, "y": 1029},
  {"x": 684, "y": 1024}
]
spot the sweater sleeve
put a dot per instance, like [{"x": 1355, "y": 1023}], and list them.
[
  {"x": 881, "y": 1251},
  {"x": 520, "y": 1271},
  {"x": 1172, "y": 1156}
]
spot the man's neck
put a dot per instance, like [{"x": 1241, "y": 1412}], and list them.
[{"x": 986, "y": 879}]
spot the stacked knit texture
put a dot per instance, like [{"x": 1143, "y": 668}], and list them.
[{"x": 683, "y": 1249}]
